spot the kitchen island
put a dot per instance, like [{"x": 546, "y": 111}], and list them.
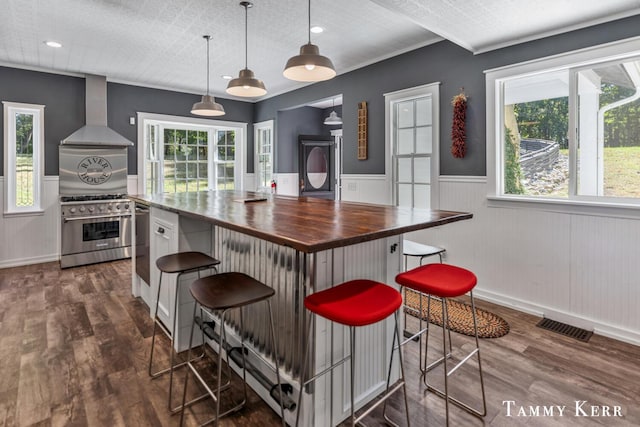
[{"x": 297, "y": 246}]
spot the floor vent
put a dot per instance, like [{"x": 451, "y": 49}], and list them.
[{"x": 564, "y": 329}]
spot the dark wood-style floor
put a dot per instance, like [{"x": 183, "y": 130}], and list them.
[{"x": 74, "y": 346}]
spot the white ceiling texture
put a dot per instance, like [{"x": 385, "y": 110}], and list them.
[{"x": 158, "y": 43}]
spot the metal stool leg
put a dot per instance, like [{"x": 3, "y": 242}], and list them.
[
  {"x": 186, "y": 376},
  {"x": 445, "y": 394},
  {"x": 155, "y": 327},
  {"x": 275, "y": 358},
  {"x": 303, "y": 371},
  {"x": 352, "y": 337},
  {"x": 396, "y": 336}
]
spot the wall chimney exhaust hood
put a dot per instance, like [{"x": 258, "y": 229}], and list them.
[{"x": 96, "y": 132}]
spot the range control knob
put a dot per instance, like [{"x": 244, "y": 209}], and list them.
[
  {"x": 117, "y": 207},
  {"x": 82, "y": 209},
  {"x": 91, "y": 208},
  {"x": 126, "y": 206},
  {"x": 72, "y": 210},
  {"x": 101, "y": 208}
]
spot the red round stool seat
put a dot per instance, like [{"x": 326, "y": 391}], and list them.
[
  {"x": 442, "y": 280},
  {"x": 355, "y": 303}
]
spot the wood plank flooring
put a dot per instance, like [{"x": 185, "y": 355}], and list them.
[{"x": 74, "y": 346}]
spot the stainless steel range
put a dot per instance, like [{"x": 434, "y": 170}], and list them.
[
  {"x": 94, "y": 229},
  {"x": 96, "y": 215}
]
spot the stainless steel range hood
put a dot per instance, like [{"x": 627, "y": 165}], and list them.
[{"x": 96, "y": 132}]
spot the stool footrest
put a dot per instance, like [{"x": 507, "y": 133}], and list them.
[
  {"x": 179, "y": 408},
  {"x": 374, "y": 405},
  {"x": 436, "y": 363},
  {"x": 162, "y": 327},
  {"x": 458, "y": 403},
  {"x": 462, "y": 362}
]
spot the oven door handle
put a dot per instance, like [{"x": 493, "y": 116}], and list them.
[{"x": 81, "y": 218}]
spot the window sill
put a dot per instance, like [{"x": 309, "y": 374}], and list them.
[
  {"x": 12, "y": 214},
  {"x": 580, "y": 207}
]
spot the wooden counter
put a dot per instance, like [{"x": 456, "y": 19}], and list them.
[{"x": 306, "y": 224}]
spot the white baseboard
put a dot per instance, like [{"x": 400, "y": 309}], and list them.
[
  {"x": 29, "y": 261},
  {"x": 597, "y": 327}
]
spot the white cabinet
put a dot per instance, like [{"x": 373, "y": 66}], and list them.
[
  {"x": 170, "y": 233},
  {"x": 164, "y": 240}
]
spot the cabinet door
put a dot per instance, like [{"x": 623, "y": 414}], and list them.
[{"x": 164, "y": 240}]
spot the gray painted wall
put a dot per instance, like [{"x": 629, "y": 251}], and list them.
[
  {"x": 123, "y": 101},
  {"x": 442, "y": 62},
  {"x": 290, "y": 124},
  {"x": 64, "y": 100}
]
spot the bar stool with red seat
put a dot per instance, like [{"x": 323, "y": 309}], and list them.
[
  {"x": 356, "y": 303},
  {"x": 446, "y": 281},
  {"x": 176, "y": 263}
]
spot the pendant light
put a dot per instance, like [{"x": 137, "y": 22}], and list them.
[
  {"x": 334, "y": 118},
  {"x": 246, "y": 83},
  {"x": 208, "y": 106},
  {"x": 309, "y": 65}
]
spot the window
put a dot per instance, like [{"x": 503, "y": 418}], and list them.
[
  {"x": 184, "y": 154},
  {"x": 567, "y": 128},
  {"x": 24, "y": 166},
  {"x": 413, "y": 118},
  {"x": 263, "y": 141}
]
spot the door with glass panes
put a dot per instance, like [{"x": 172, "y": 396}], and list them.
[{"x": 412, "y": 151}]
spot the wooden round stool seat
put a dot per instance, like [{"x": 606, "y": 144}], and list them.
[
  {"x": 183, "y": 262},
  {"x": 229, "y": 290}
]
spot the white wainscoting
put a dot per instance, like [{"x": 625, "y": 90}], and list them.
[
  {"x": 287, "y": 184},
  {"x": 34, "y": 238},
  {"x": 366, "y": 189},
  {"x": 581, "y": 269}
]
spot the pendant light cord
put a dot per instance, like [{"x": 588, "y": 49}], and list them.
[
  {"x": 309, "y": 27},
  {"x": 208, "y": 38},
  {"x": 246, "y": 35}
]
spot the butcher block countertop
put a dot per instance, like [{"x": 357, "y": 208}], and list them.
[{"x": 306, "y": 224}]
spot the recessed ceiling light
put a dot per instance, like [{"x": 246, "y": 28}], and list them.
[
  {"x": 52, "y": 43},
  {"x": 226, "y": 77},
  {"x": 316, "y": 30}
]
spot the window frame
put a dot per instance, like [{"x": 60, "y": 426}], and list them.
[
  {"x": 572, "y": 61},
  {"x": 180, "y": 122},
  {"x": 9, "y": 110},
  {"x": 258, "y": 169},
  {"x": 431, "y": 90}
]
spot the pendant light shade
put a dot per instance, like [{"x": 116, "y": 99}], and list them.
[
  {"x": 334, "y": 118},
  {"x": 309, "y": 65},
  {"x": 208, "y": 105},
  {"x": 246, "y": 83}
]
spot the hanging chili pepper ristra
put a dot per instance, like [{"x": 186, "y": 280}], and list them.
[{"x": 458, "y": 130}]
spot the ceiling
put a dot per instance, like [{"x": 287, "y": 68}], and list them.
[{"x": 158, "y": 43}]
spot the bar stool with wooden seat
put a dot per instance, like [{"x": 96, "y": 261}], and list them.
[
  {"x": 180, "y": 263},
  {"x": 221, "y": 293},
  {"x": 446, "y": 281},
  {"x": 356, "y": 303}
]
